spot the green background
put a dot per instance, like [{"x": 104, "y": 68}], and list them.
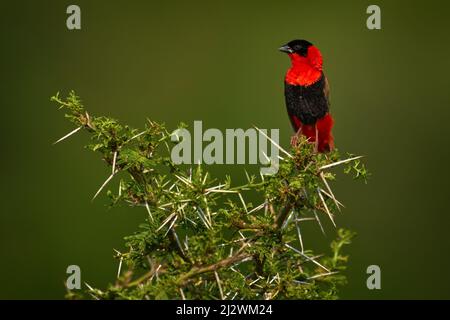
[{"x": 217, "y": 61}]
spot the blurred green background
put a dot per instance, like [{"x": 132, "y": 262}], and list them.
[{"x": 217, "y": 61}]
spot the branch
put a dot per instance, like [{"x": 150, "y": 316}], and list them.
[
  {"x": 213, "y": 267},
  {"x": 283, "y": 215},
  {"x": 246, "y": 226}
]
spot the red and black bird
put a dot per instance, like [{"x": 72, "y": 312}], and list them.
[{"x": 306, "y": 91}]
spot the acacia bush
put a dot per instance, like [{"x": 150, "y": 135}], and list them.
[{"x": 201, "y": 239}]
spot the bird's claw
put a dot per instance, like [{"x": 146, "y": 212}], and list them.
[
  {"x": 316, "y": 146},
  {"x": 294, "y": 140}
]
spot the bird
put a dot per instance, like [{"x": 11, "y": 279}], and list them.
[{"x": 306, "y": 91}]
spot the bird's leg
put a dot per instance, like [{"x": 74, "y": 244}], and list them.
[
  {"x": 294, "y": 138},
  {"x": 316, "y": 144}
]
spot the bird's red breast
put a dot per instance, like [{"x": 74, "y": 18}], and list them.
[{"x": 305, "y": 70}]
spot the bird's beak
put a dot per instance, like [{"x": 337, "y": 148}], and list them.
[{"x": 286, "y": 49}]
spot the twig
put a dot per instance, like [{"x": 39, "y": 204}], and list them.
[{"x": 213, "y": 267}]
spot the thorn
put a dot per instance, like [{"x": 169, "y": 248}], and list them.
[
  {"x": 165, "y": 184},
  {"x": 120, "y": 267},
  {"x": 246, "y": 174},
  {"x": 274, "y": 143},
  {"x": 323, "y": 275},
  {"x": 191, "y": 221},
  {"x": 306, "y": 257},
  {"x": 166, "y": 221},
  {"x": 329, "y": 190},
  {"x": 184, "y": 180},
  {"x": 286, "y": 222},
  {"x": 258, "y": 207},
  {"x": 224, "y": 191},
  {"x": 168, "y": 204},
  {"x": 88, "y": 120},
  {"x": 218, "y": 284},
  {"x": 88, "y": 286},
  {"x": 202, "y": 217},
  {"x": 181, "y": 209},
  {"x": 103, "y": 185},
  {"x": 182, "y": 294},
  {"x": 177, "y": 241},
  {"x": 339, "y": 162},
  {"x": 318, "y": 221},
  {"x": 316, "y": 142},
  {"x": 267, "y": 158},
  {"x": 114, "y": 162},
  {"x": 297, "y": 225},
  {"x": 300, "y": 282},
  {"x": 171, "y": 226},
  {"x": 255, "y": 281},
  {"x": 208, "y": 212},
  {"x": 243, "y": 202},
  {"x": 204, "y": 179},
  {"x": 214, "y": 188},
  {"x": 156, "y": 273},
  {"x": 305, "y": 219},
  {"x": 136, "y": 136},
  {"x": 326, "y": 208},
  {"x": 329, "y": 196},
  {"x": 315, "y": 214},
  {"x": 68, "y": 135},
  {"x": 148, "y": 210},
  {"x": 274, "y": 278},
  {"x": 186, "y": 243}
]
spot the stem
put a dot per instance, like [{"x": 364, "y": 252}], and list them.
[
  {"x": 283, "y": 215},
  {"x": 213, "y": 267}
]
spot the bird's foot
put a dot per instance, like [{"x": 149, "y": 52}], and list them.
[
  {"x": 316, "y": 142},
  {"x": 294, "y": 140}
]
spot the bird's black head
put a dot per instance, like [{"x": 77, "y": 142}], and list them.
[{"x": 297, "y": 46}]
